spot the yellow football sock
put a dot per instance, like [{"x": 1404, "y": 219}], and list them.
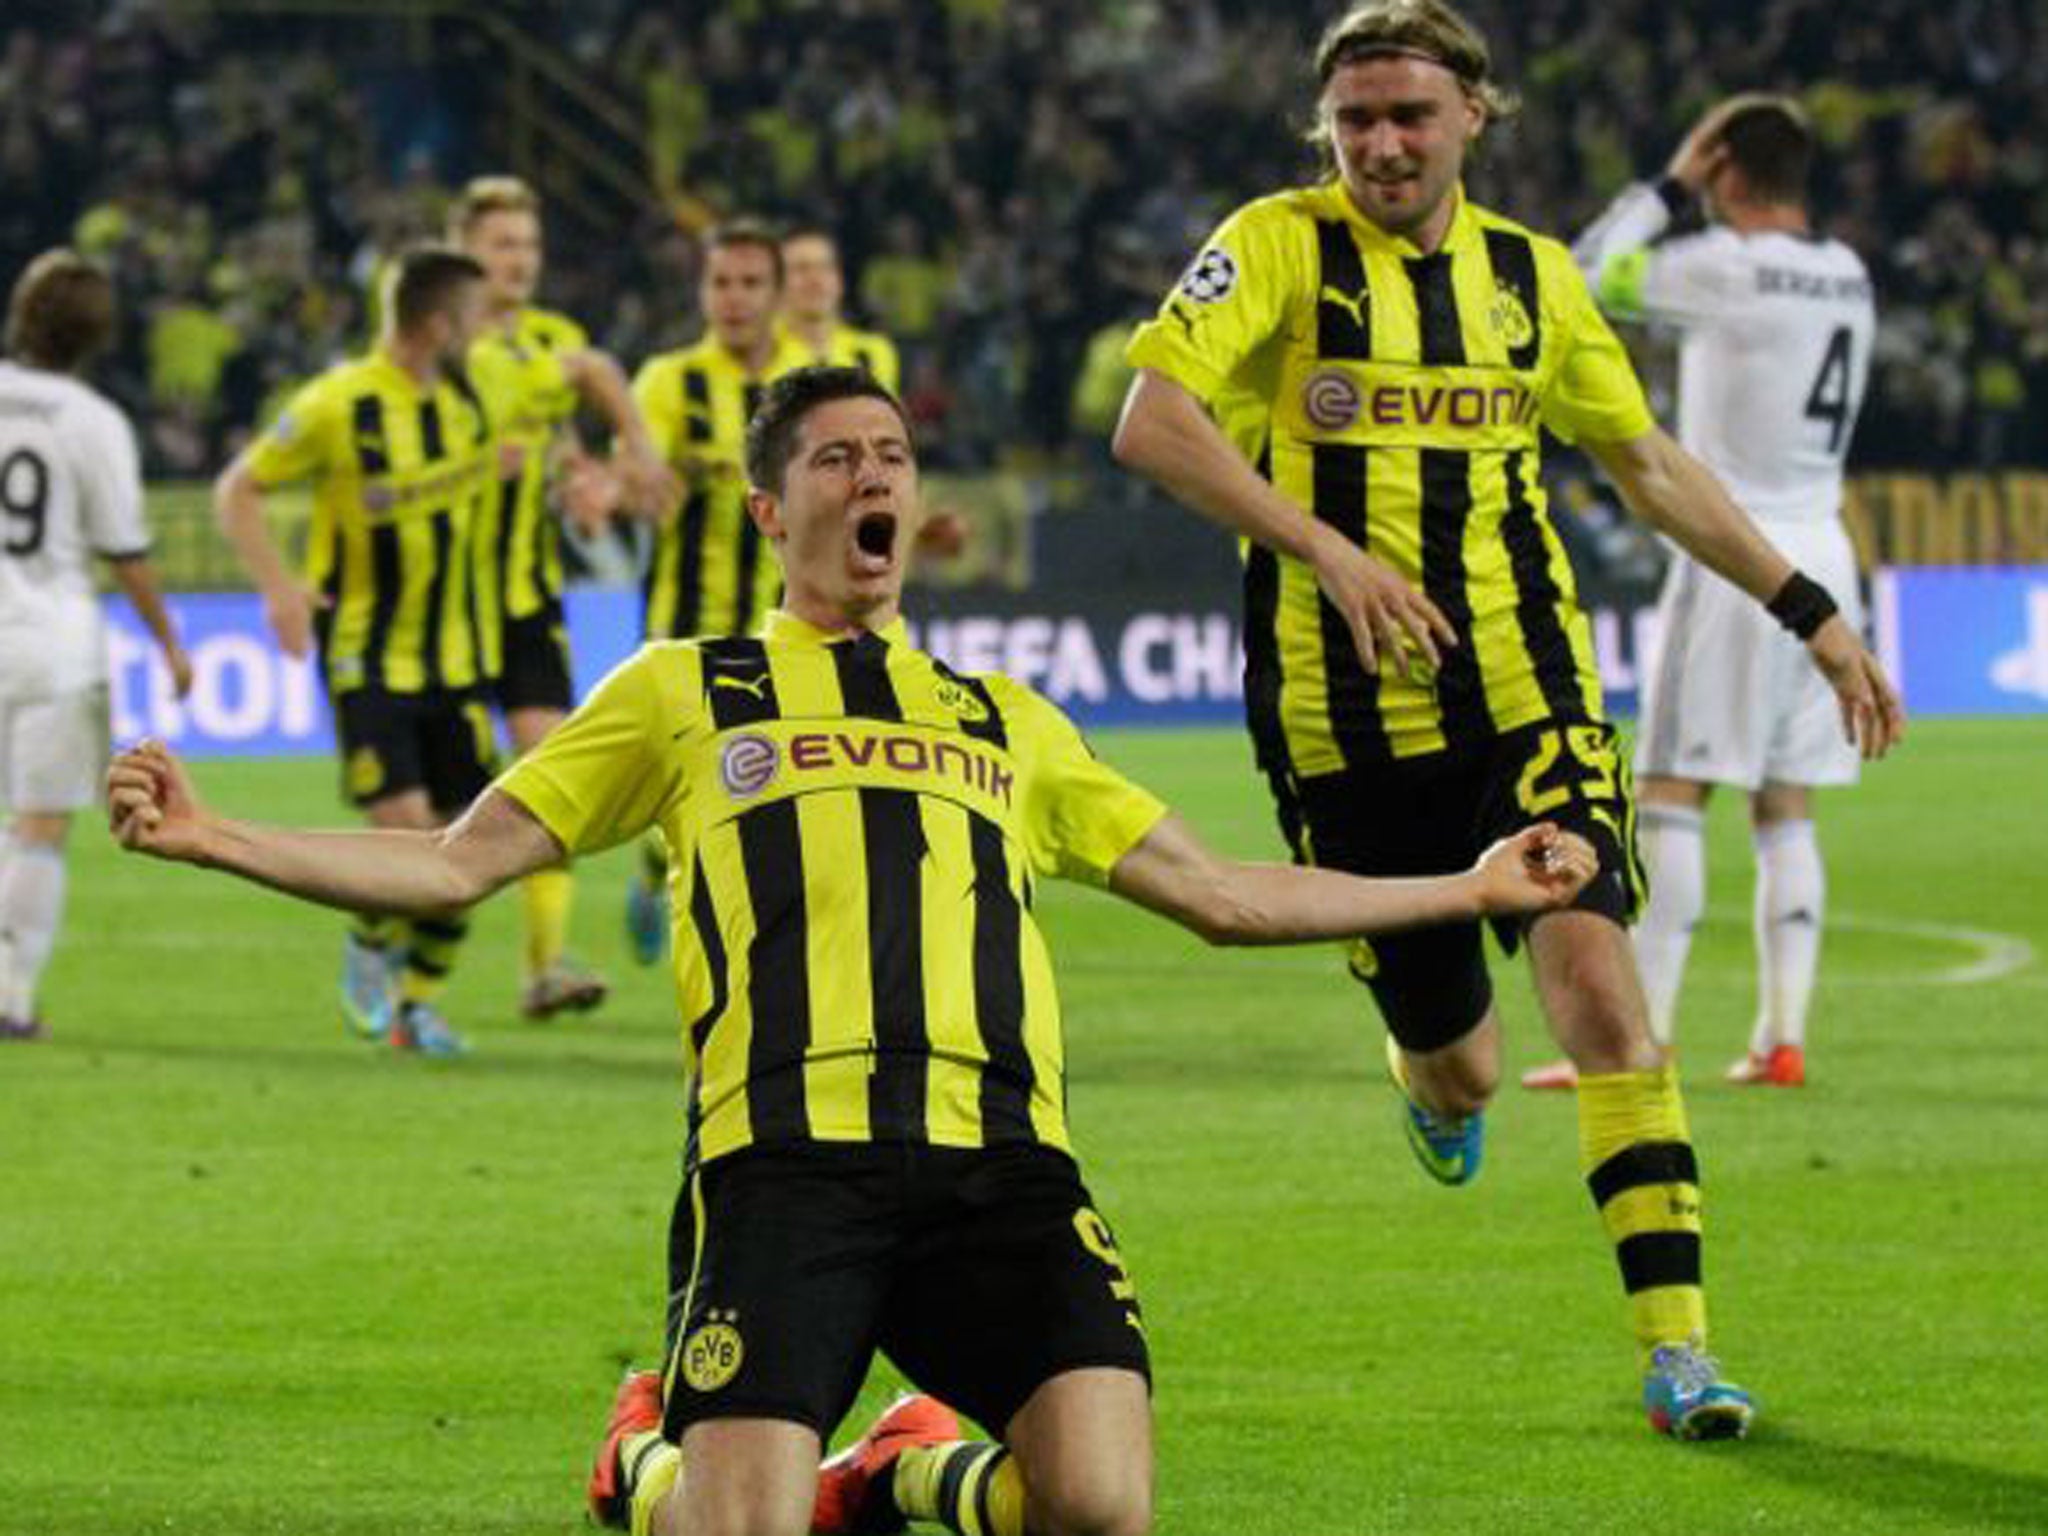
[
  {"x": 969, "y": 1486},
  {"x": 1637, "y": 1156},
  {"x": 651, "y": 1466},
  {"x": 544, "y": 897},
  {"x": 373, "y": 930}
]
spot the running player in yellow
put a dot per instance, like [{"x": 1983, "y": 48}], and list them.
[
  {"x": 711, "y": 573},
  {"x": 539, "y": 366},
  {"x": 814, "y": 288},
  {"x": 877, "y": 1147},
  {"x": 1353, "y": 376},
  {"x": 400, "y": 452}
]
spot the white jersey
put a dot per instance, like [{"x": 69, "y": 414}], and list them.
[
  {"x": 1776, "y": 333},
  {"x": 70, "y": 490}
]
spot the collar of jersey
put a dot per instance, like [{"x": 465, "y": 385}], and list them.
[
  {"x": 785, "y": 628},
  {"x": 398, "y": 372},
  {"x": 1464, "y": 228}
]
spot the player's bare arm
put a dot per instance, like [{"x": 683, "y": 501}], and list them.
[
  {"x": 1680, "y": 497},
  {"x": 287, "y": 605},
  {"x": 136, "y": 578},
  {"x": 647, "y": 485},
  {"x": 152, "y": 808},
  {"x": 1165, "y": 435},
  {"x": 1226, "y": 901}
]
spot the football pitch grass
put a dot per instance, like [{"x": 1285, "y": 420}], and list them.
[{"x": 256, "y": 1277}]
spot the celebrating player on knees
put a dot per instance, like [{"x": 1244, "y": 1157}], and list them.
[{"x": 878, "y": 1152}]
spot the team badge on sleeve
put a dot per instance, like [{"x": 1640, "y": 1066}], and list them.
[{"x": 1210, "y": 276}]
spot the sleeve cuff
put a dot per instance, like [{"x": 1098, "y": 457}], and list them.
[{"x": 1676, "y": 196}]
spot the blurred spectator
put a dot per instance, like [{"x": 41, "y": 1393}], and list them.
[{"x": 988, "y": 164}]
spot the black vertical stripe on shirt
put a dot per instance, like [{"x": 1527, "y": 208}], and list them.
[
  {"x": 689, "y": 565},
  {"x": 697, "y": 414},
  {"x": 431, "y": 444},
  {"x": 999, "y": 990},
  {"x": 1343, "y": 315},
  {"x": 1446, "y": 505},
  {"x": 1338, "y": 492},
  {"x": 1537, "y": 596},
  {"x": 434, "y": 615},
  {"x": 1514, "y": 268},
  {"x": 778, "y": 965},
  {"x": 704, "y": 920},
  {"x": 1262, "y": 648},
  {"x": 1446, "y": 476},
  {"x": 1262, "y": 659},
  {"x": 740, "y": 691},
  {"x": 737, "y": 683},
  {"x": 373, "y": 452},
  {"x": 750, "y": 536},
  {"x": 1436, "y": 309},
  {"x": 892, "y": 833},
  {"x": 862, "y": 665},
  {"x": 387, "y": 568}
]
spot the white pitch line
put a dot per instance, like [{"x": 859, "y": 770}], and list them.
[{"x": 1996, "y": 955}]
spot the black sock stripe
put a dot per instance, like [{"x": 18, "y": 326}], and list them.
[
  {"x": 953, "y": 1478},
  {"x": 637, "y": 1467},
  {"x": 420, "y": 965},
  {"x": 1647, "y": 1162},
  {"x": 982, "y": 1515},
  {"x": 1652, "y": 1259},
  {"x": 428, "y": 928}
]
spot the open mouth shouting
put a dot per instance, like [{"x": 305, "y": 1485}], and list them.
[{"x": 874, "y": 543}]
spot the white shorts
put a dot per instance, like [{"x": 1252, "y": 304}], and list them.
[
  {"x": 53, "y": 751},
  {"x": 1730, "y": 697}
]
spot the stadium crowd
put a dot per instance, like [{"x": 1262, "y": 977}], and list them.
[{"x": 1012, "y": 188}]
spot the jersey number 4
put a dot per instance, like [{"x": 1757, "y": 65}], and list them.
[
  {"x": 24, "y": 498},
  {"x": 1828, "y": 400}
]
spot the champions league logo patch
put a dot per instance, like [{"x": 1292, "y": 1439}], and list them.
[
  {"x": 748, "y": 765},
  {"x": 1330, "y": 400},
  {"x": 1210, "y": 277}
]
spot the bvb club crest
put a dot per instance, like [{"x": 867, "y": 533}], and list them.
[
  {"x": 713, "y": 1352},
  {"x": 1510, "y": 319},
  {"x": 961, "y": 701}
]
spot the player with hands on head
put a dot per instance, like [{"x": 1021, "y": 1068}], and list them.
[
  {"x": 877, "y": 1149},
  {"x": 1776, "y": 327}
]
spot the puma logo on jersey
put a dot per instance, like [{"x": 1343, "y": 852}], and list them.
[
  {"x": 757, "y": 686},
  {"x": 1353, "y": 304}
]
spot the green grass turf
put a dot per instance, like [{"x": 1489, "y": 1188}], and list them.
[{"x": 255, "y": 1277}]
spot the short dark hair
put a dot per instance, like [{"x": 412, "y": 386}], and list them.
[
  {"x": 1771, "y": 145},
  {"x": 734, "y": 233},
  {"x": 61, "y": 313},
  {"x": 427, "y": 280},
  {"x": 772, "y": 434}
]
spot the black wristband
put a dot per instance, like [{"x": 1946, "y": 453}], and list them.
[
  {"x": 1802, "y": 605},
  {"x": 1676, "y": 195}
]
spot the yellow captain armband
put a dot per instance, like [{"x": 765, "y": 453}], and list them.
[{"x": 1622, "y": 279}]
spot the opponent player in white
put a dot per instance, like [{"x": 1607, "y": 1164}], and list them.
[
  {"x": 70, "y": 490},
  {"x": 1776, "y": 325}
]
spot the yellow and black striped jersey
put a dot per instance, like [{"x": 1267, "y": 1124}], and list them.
[
  {"x": 1400, "y": 398},
  {"x": 853, "y": 832},
  {"x": 401, "y": 473},
  {"x": 711, "y": 574},
  {"x": 852, "y": 347},
  {"x": 520, "y": 371}
]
